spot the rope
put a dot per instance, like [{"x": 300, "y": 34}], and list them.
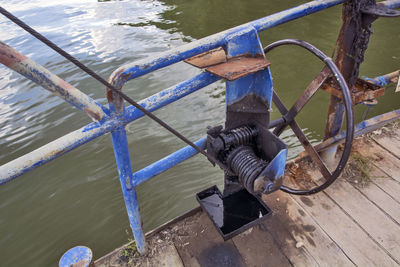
[{"x": 101, "y": 80}]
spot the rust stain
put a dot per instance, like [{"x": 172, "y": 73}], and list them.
[
  {"x": 65, "y": 85},
  {"x": 110, "y": 95},
  {"x": 360, "y": 92},
  {"x": 55, "y": 153},
  {"x": 92, "y": 114},
  {"x": 297, "y": 173},
  {"x": 239, "y": 67},
  {"x": 10, "y": 56},
  {"x": 209, "y": 58}
]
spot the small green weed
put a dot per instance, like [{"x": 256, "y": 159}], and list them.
[
  {"x": 130, "y": 250},
  {"x": 363, "y": 165}
]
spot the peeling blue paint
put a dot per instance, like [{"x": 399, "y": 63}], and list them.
[
  {"x": 259, "y": 83},
  {"x": 122, "y": 158},
  {"x": 141, "y": 67},
  {"x": 393, "y": 4},
  {"x": 380, "y": 80},
  {"x": 76, "y": 256},
  {"x": 239, "y": 40},
  {"x": 365, "y": 127},
  {"x": 170, "y": 95},
  {"x": 167, "y": 162}
]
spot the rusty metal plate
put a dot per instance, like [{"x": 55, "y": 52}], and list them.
[
  {"x": 239, "y": 67},
  {"x": 209, "y": 58},
  {"x": 361, "y": 91}
]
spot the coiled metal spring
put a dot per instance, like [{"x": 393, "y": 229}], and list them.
[
  {"x": 242, "y": 135},
  {"x": 246, "y": 165},
  {"x": 237, "y": 137}
]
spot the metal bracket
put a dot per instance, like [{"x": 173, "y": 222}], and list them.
[
  {"x": 207, "y": 59},
  {"x": 238, "y": 67},
  {"x": 216, "y": 62},
  {"x": 360, "y": 92}
]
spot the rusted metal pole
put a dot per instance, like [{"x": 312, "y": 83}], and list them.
[
  {"x": 43, "y": 77},
  {"x": 352, "y": 43}
]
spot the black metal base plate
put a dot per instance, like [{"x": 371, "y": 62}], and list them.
[{"x": 232, "y": 214}]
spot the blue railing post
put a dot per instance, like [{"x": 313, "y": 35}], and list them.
[
  {"x": 123, "y": 160},
  {"x": 121, "y": 151}
]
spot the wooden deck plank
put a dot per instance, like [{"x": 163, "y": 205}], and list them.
[
  {"x": 355, "y": 243},
  {"x": 199, "y": 244},
  {"x": 162, "y": 254},
  {"x": 391, "y": 142},
  {"x": 258, "y": 248},
  {"x": 165, "y": 256},
  {"x": 379, "y": 227},
  {"x": 388, "y": 166},
  {"x": 375, "y": 193},
  {"x": 389, "y": 186},
  {"x": 281, "y": 228},
  {"x": 306, "y": 232},
  {"x": 379, "y": 156}
]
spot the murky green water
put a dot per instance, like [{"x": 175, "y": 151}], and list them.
[{"x": 77, "y": 199}]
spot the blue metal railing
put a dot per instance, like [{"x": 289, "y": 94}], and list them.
[{"x": 113, "y": 119}]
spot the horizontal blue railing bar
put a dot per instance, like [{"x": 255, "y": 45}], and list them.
[
  {"x": 54, "y": 149},
  {"x": 91, "y": 131},
  {"x": 391, "y": 4},
  {"x": 167, "y": 162},
  {"x": 361, "y": 128},
  {"x": 187, "y": 152},
  {"x": 170, "y": 95},
  {"x": 138, "y": 68},
  {"x": 68, "y": 142}
]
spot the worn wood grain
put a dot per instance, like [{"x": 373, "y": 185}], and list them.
[
  {"x": 379, "y": 157},
  {"x": 390, "y": 141},
  {"x": 280, "y": 227},
  {"x": 307, "y": 233},
  {"x": 162, "y": 254},
  {"x": 382, "y": 229},
  {"x": 258, "y": 248},
  {"x": 165, "y": 256},
  {"x": 390, "y": 186},
  {"x": 352, "y": 239},
  {"x": 199, "y": 243},
  {"x": 375, "y": 191}
]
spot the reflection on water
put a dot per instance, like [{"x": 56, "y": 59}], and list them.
[{"x": 77, "y": 199}]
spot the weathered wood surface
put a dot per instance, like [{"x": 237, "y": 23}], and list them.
[
  {"x": 199, "y": 244},
  {"x": 355, "y": 222}
]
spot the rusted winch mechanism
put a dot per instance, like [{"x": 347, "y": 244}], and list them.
[
  {"x": 244, "y": 157},
  {"x": 254, "y": 158}
]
